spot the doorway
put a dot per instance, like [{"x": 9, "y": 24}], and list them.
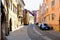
[{"x": 10, "y": 23}]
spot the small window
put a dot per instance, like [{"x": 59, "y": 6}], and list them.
[
  {"x": 48, "y": 17},
  {"x": 47, "y": 10},
  {"x": 13, "y": 8},
  {"x": 53, "y": 2},
  {"x": 53, "y": 16},
  {"x": 10, "y": 5}
]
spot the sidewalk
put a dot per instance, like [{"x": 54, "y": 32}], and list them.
[
  {"x": 20, "y": 34},
  {"x": 54, "y": 33}
]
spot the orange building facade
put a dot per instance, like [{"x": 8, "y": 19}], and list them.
[
  {"x": 39, "y": 14},
  {"x": 50, "y": 14}
]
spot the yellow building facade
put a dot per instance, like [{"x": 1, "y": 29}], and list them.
[
  {"x": 10, "y": 22},
  {"x": 11, "y": 15},
  {"x": 30, "y": 18},
  {"x": 20, "y": 8},
  {"x": 13, "y": 20},
  {"x": 14, "y": 12}
]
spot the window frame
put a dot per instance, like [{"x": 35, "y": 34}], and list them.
[
  {"x": 52, "y": 2},
  {"x": 53, "y": 16}
]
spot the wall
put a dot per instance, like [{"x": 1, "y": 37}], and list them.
[
  {"x": 30, "y": 18},
  {"x": 55, "y": 11}
]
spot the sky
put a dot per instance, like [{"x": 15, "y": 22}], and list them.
[{"x": 32, "y": 4}]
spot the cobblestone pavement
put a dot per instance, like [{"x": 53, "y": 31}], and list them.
[
  {"x": 36, "y": 34},
  {"x": 32, "y": 32},
  {"x": 20, "y": 34}
]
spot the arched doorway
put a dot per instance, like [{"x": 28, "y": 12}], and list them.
[{"x": 10, "y": 23}]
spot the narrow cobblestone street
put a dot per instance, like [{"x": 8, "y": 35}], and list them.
[
  {"x": 32, "y": 32},
  {"x": 36, "y": 34},
  {"x": 30, "y": 20}
]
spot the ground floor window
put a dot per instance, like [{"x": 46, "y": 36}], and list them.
[{"x": 53, "y": 16}]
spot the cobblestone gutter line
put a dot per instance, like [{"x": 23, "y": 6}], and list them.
[{"x": 18, "y": 28}]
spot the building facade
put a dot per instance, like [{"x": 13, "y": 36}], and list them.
[
  {"x": 10, "y": 14},
  {"x": 20, "y": 8},
  {"x": 30, "y": 18},
  {"x": 34, "y": 12},
  {"x": 52, "y": 13},
  {"x": 40, "y": 13},
  {"x": 25, "y": 17},
  {"x": 13, "y": 13}
]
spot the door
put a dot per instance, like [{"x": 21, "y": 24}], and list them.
[{"x": 10, "y": 25}]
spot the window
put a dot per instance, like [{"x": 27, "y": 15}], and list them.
[
  {"x": 43, "y": 1},
  {"x": 10, "y": 5},
  {"x": 52, "y": 2},
  {"x": 47, "y": 10},
  {"x": 53, "y": 16},
  {"x": 14, "y": 9},
  {"x": 47, "y": 18}
]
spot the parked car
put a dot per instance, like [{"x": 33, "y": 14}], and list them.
[{"x": 44, "y": 26}]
